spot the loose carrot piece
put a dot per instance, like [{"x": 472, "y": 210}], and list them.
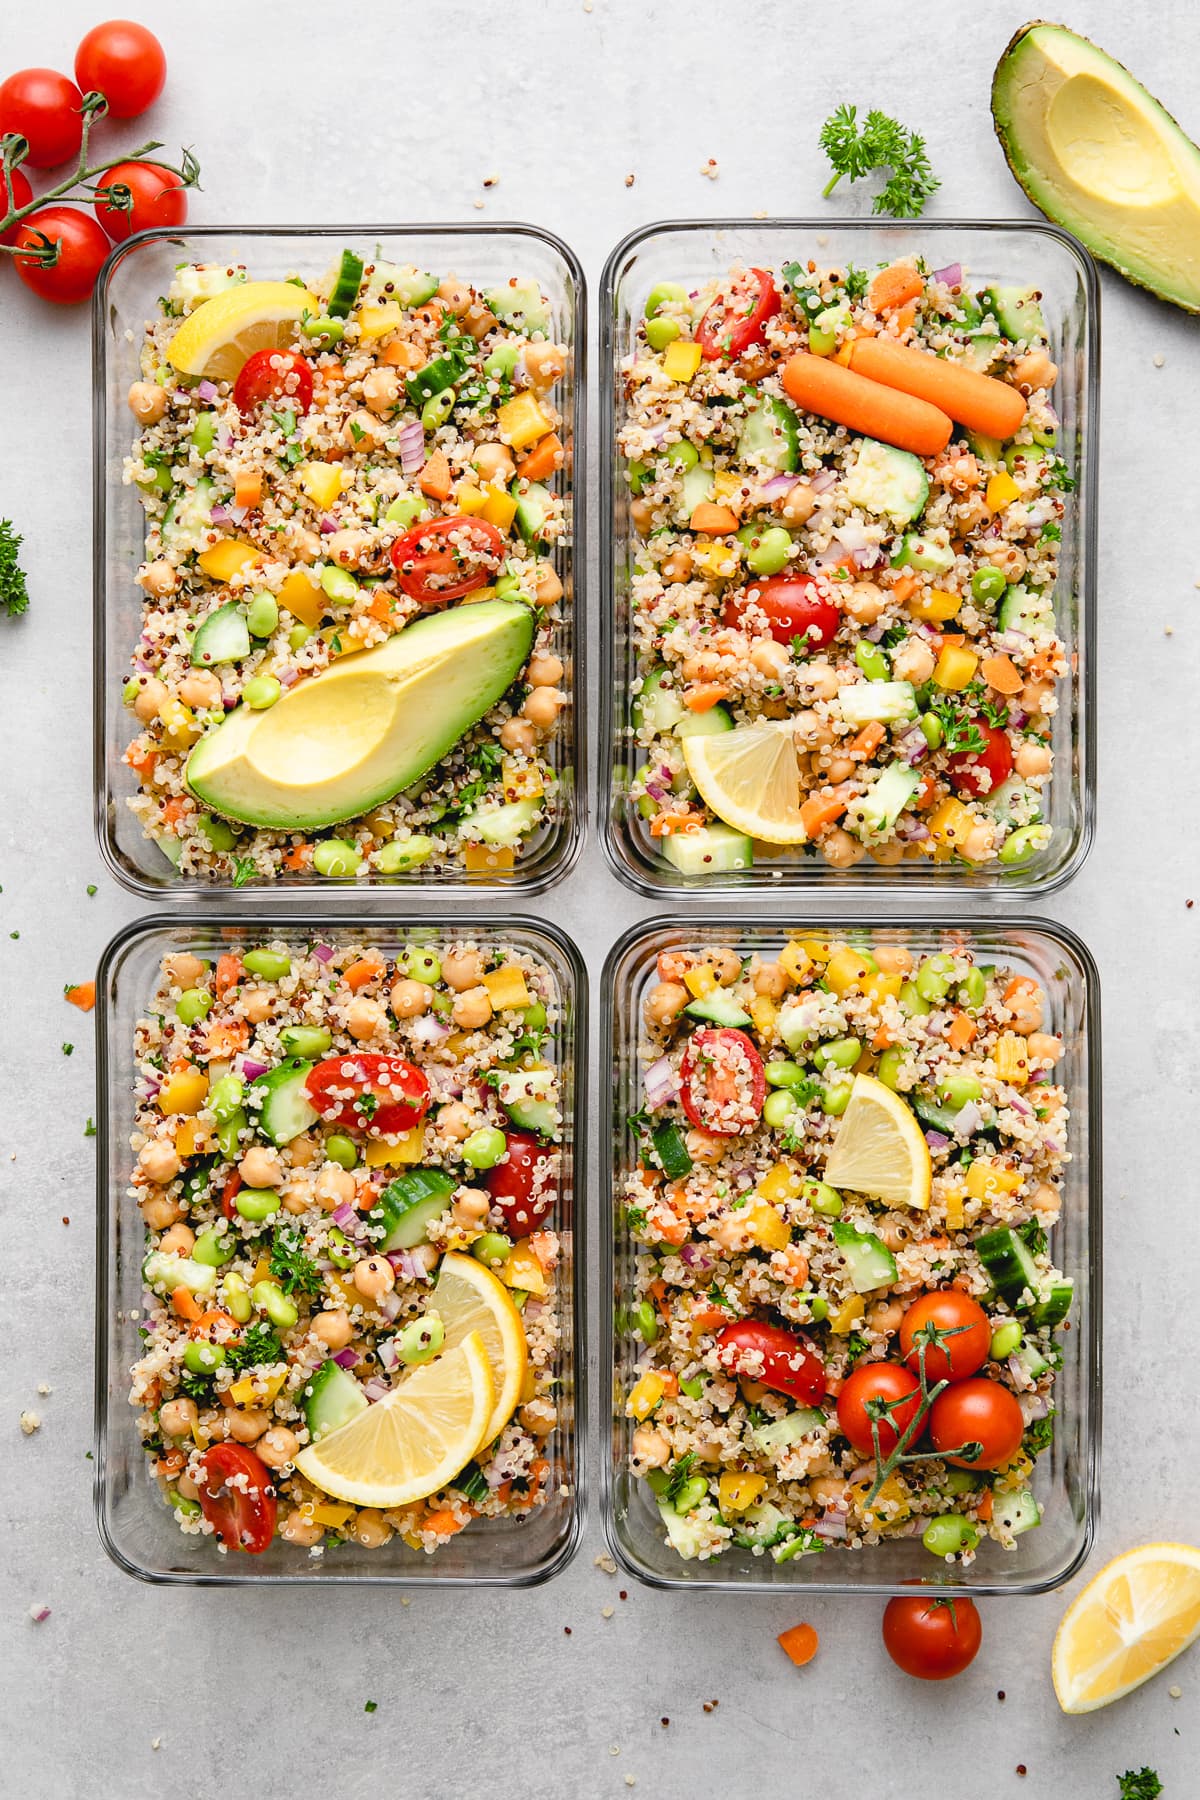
[
  {"x": 665, "y": 823},
  {"x": 247, "y": 488},
  {"x": 979, "y": 402},
  {"x": 435, "y": 478},
  {"x": 927, "y": 793},
  {"x": 362, "y": 971},
  {"x": 962, "y": 1032},
  {"x": 709, "y": 1318},
  {"x": 848, "y": 398},
  {"x": 382, "y": 607},
  {"x": 212, "y": 1320},
  {"x": 185, "y": 1303},
  {"x": 893, "y": 287},
  {"x": 229, "y": 973},
  {"x": 1001, "y": 673},
  {"x": 1020, "y": 984},
  {"x": 717, "y": 521},
  {"x": 543, "y": 459},
  {"x": 867, "y": 741},
  {"x": 882, "y": 1038},
  {"x": 818, "y": 811},
  {"x": 82, "y": 995},
  {"x": 905, "y": 588},
  {"x": 702, "y": 696},
  {"x": 800, "y": 1643}
]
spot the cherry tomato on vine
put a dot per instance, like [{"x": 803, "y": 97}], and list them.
[
  {"x": 965, "y": 768},
  {"x": 274, "y": 375},
  {"x": 125, "y": 63},
  {"x": 522, "y": 1187},
  {"x": 447, "y": 558},
  {"x": 794, "y": 607},
  {"x": 722, "y": 1082},
  {"x": 735, "y": 320},
  {"x": 243, "y": 1516},
  {"x": 20, "y": 194},
  {"x": 363, "y": 1091},
  {"x": 878, "y": 1381},
  {"x": 776, "y": 1357},
  {"x": 157, "y": 198},
  {"x": 978, "y": 1411},
  {"x": 44, "y": 108},
  {"x": 83, "y": 250},
  {"x": 929, "y": 1638},
  {"x": 960, "y": 1355}
]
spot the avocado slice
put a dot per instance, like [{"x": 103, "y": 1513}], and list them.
[
  {"x": 1099, "y": 155},
  {"x": 351, "y": 738}
]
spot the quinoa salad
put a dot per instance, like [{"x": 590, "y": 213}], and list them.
[
  {"x": 389, "y": 447},
  {"x": 846, "y": 491},
  {"x": 842, "y": 1300},
  {"x": 347, "y": 1162}
]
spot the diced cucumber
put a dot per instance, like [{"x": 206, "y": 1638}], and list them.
[
  {"x": 222, "y": 638},
  {"x": 870, "y": 1262},
  {"x": 533, "y": 508},
  {"x": 520, "y": 304},
  {"x": 305, "y": 1040},
  {"x": 877, "y": 810},
  {"x": 769, "y": 437},
  {"x": 887, "y": 481},
  {"x": 171, "y": 847},
  {"x": 1023, "y": 610},
  {"x": 924, "y": 553},
  {"x": 165, "y": 1272},
  {"x": 988, "y": 449},
  {"x": 527, "y": 1097},
  {"x": 1010, "y": 801},
  {"x": 713, "y": 850},
  {"x": 438, "y": 375},
  {"x": 1018, "y": 312},
  {"x": 408, "y": 1204},
  {"x": 346, "y": 285},
  {"x": 398, "y": 281},
  {"x": 704, "y": 724},
  {"x": 781, "y": 1434},
  {"x": 331, "y": 1399},
  {"x": 1052, "y": 1306},
  {"x": 933, "y": 1118},
  {"x": 1008, "y": 1262},
  {"x": 695, "y": 489},
  {"x": 285, "y": 1109},
  {"x": 761, "y": 1526},
  {"x": 885, "y": 702},
  {"x": 671, "y": 1150},
  {"x": 658, "y": 705},
  {"x": 1016, "y": 1511},
  {"x": 687, "y": 1536},
  {"x": 719, "y": 1008},
  {"x": 982, "y": 348},
  {"x": 191, "y": 285},
  {"x": 500, "y": 824},
  {"x": 189, "y": 516},
  {"x": 1032, "y": 1361}
]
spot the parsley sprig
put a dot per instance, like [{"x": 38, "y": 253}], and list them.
[
  {"x": 1140, "y": 1784},
  {"x": 14, "y": 594},
  {"x": 880, "y": 142},
  {"x": 291, "y": 1267}
]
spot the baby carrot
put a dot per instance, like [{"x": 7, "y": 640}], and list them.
[
  {"x": 848, "y": 398},
  {"x": 977, "y": 401},
  {"x": 894, "y": 287}
]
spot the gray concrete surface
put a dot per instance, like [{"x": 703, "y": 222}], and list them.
[{"x": 354, "y": 112}]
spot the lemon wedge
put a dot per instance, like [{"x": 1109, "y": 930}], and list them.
[
  {"x": 880, "y": 1148},
  {"x": 750, "y": 778},
  {"x": 216, "y": 339},
  {"x": 1129, "y": 1622},
  {"x": 469, "y": 1298},
  {"x": 413, "y": 1442}
]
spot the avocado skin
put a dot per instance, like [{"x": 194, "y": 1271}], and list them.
[{"x": 1011, "y": 153}]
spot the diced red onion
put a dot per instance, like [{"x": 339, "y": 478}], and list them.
[
  {"x": 377, "y": 1388},
  {"x": 778, "y": 484},
  {"x": 1019, "y": 1105},
  {"x": 869, "y": 557},
  {"x": 937, "y": 1140},
  {"x": 914, "y": 748},
  {"x": 236, "y": 514},
  {"x": 288, "y": 677},
  {"x": 851, "y": 535},
  {"x": 329, "y": 525},
  {"x": 429, "y": 1029},
  {"x": 1034, "y": 1406},
  {"x": 874, "y": 632},
  {"x": 927, "y": 631},
  {"x": 1019, "y": 1373},
  {"x": 1053, "y": 1146},
  {"x": 322, "y": 952},
  {"x": 250, "y": 1068},
  {"x": 656, "y": 790},
  {"x": 206, "y": 390},
  {"x": 411, "y": 438},
  {"x": 967, "y": 1120},
  {"x": 39, "y": 1613},
  {"x": 142, "y": 666},
  {"x": 387, "y": 1352},
  {"x": 345, "y": 1359},
  {"x": 696, "y": 1257},
  {"x": 822, "y": 480},
  {"x": 218, "y": 514},
  {"x": 344, "y": 1217},
  {"x": 494, "y": 1475},
  {"x": 391, "y": 1305},
  {"x": 832, "y": 1524},
  {"x": 660, "y": 1084},
  {"x": 1016, "y": 641},
  {"x": 403, "y": 1263},
  {"x": 225, "y": 438},
  {"x": 825, "y": 559},
  {"x": 150, "y": 1086},
  {"x": 951, "y": 275},
  {"x": 1017, "y": 715},
  {"x": 912, "y": 831}
]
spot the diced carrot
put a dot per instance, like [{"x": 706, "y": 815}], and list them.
[
  {"x": 1042, "y": 666},
  {"x": 383, "y": 606},
  {"x": 401, "y": 355},
  {"x": 211, "y": 1320},
  {"x": 431, "y": 314},
  {"x": 141, "y": 760},
  {"x": 709, "y": 1318},
  {"x": 298, "y": 857},
  {"x": 545, "y": 1247},
  {"x": 229, "y": 973},
  {"x": 903, "y": 317},
  {"x": 82, "y": 995},
  {"x": 893, "y": 286},
  {"x": 800, "y": 1643},
  {"x": 980, "y": 402},
  {"x": 882, "y": 1038},
  {"x": 702, "y": 696},
  {"x": 1001, "y": 673},
  {"x": 820, "y": 810},
  {"x": 962, "y": 1032},
  {"x": 503, "y": 1492},
  {"x": 904, "y": 589},
  {"x": 362, "y": 971},
  {"x": 1020, "y": 984},
  {"x": 443, "y": 1523},
  {"x": 670, "y": 1381},
  {"x": 185, "y": 1303},
  {"x": 986, "y": 1505},
  {"x": 173, "y": 810},
  {"x": 227, "y": 1038},
  {"x": 543, "y": 459},
  {"x": 248, "y": 489},
  {"x": 664, "y": 823},
  {"x": 822, "y": 386},
  {"x": 715, "y": 521},
  {"x": 867, "y": 741},
  {"x": 927, "y": 793},
  {"x": 435, "y": 479}
]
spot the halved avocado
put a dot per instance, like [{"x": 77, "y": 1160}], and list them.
[
  {"x": 1099, "y": 155},
  {"x": 353, "y": 737}
]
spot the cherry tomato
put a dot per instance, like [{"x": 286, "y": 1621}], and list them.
[
  {"x": 878, "y": 1381},
  {"x": 523, "y": 1185},
  {"x": 157, "y": 198},
  {"x": 966, "y": 767},
  {"x": 776, "y": 1357},
  {"x": 717, "y": 1065},
  {"x": 381, "y": 1095},
  {"x": 977, "y": 1411},
  {"x": 961, "y": 1354},
  {"x": 794, "y": 607},
  {"x": 125, "y": 63},
  {"x": 930, "y": 1638},
  {"x": 273, "y": 375},
  {"x": 229, "y": 1193},
  {"x": 237, "y": 1497},
  {"x": 83, "y": 250},
  {"x": 430, "y": 570},
  {"x": 736, "y": 319},
  {"x": 20, "y": 194},
  {"x": 43, "y": 107}
]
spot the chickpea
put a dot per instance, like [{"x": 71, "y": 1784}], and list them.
[
  {"x": 147, "y": 402},
  {"x": 828, "y": 1490},
  {"x": 455, "y": 296},
  {"x": 462, "y": 969},
  {"x": 257, "y": 1004},
  {"x": 297, "y": 1195},
  {"x": 839, "y": 768},
  {"x": 726, "y": 965},
  {"x": 334, "y": 1328},
  {"x": 892, "y": 960},
  {"x": 864, "y": 602},
  {"x": 885, "y": 1316},
  {"x": 544, "y": 671},
  {"x": 642, "y": 513},
  {"x": 1046, "y": 1201},
  {"x": 334, "y": 1187},
  {"x": 454, "y": 1121},
  {"x": 673, "y": 965},
  {"x": 542, "y": 705},
  {"x": 650, "y": 1448},
  {"x": 187, "y": 1487},
  {"x": 159, "y": 1210},
  {"x": 374, "y": 1277},
  {"x": 494, "y": 464},
  {"x": 472, "y": 1009},
  {"x": 544, "y": 364},
  {"x": 370, "y": 1528},
  {"x": 298, "y": 1529},
  {"x": 518, "y": 734},
  {"x": 160, "y": 1160},
  {"x": 798, "y": 504},
  {"x": 913, "y": 661},
  {"x": 703, "y": 665},
  {"x": 278, "y": 1446},
  {"x": 886, "y": 855},
  {"x": 365, "y": 1019},
  {"x": 810, "y": 728},
  {"x": 1043, "y": 1048},
  {"x": 177, "y": 1418},
  {"x": 549, "y": 588},
  {"x": 676, "y": 567},
  {"x": 840, "y": 850},
  {"x": 159, "y": 578},
  {"x": 769, "y": 658},
  {"x": 471, "y": 1208},
  {"x": 381, "y": 390},
  {"x": 820, "y": 680},
  {"x": 303, "y": 1151},
  {"x": 200, "y": 691},
  {"x": 1011, "y": 562},
  {"x": 347, "y": 547},
  {"x": 246, "y": 1424},
  {"x": 539, "y": 1416},
  {"x": 665, "y": 1002},
  {"x": 772, "y": 980},
  {"x": 706, "y": 1146},
  {"x": 151, "y": 697},
  {"x": 1035, "y": 696},
  {"x": 178, "y": 1241},
  {"x": 1025, "y": 1009},
  {"x": 305, "y": 545},
  {"x": 1034, "y": 370},
  {"x": 185, "y": 970},
  {"x": 1031, "y": 760},
  {"x": 363, "y": 432},
  {"x": 894, "y": 1233},
  {"x": 979, "y": 842},
  {"x": 410, "y": 998},
  {"x": 261, "y": 1168}
]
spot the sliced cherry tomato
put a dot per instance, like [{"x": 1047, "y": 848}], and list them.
[
  {"x": 722, "y": 1084},
  {"x": 447, "y": 558},
  {"x": 776, "y": 1357},
  {"x": 978, "y": 1411},
  {"x": 736, "y": 318},
  {"x": 273, "y": 375},
  {"x": 82, "y": 252},
  {"x": 156, "y": 197},
  {"x": 125, "y": 63},
  {"x": 960, "y": 1355},
  {"x": 11, "y": 197},
  {"x": 965, "y": 769},
  {"x": 229, "y": 1193},
  {"x": 523, "y": 1187},
  {"x": 930, "y": 1638},
  {"x": 794, "y": 606},
  {"x": 237, "y": 1497},
  {"x": 878, "y": 1381},
  {"x": 381, "y": 1095},
  {"x": 44, "y": 108}
]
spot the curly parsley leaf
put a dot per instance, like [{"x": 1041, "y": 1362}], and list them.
[
  {"x": 681, "y": 1474},
  {"x": 1140, "y": 1784},
  {"x": 1040, "y": 1435},
  {"x": 14, "y": 593},
  {"x": 880, "y": 142},
  {"x": 259, "y": 1345},
  {"x": 1032, "y": 1236},
  {"x": 291, "y": 1267}
]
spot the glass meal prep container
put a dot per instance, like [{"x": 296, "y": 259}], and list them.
[
  {"x": 137, "y": 1527},
  {"x": 126, "y": 295},
  {"x": 695, "y": 252},
  {"x": 1065, "y": 1477}
]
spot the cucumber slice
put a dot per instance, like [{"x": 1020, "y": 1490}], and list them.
[
  {"x": 887, "y": 481},
  {"x": 924, "y": 553},
  {"x": 285, "y": 1110},
  {"x": 500, "y": 824},
  {"x": 704, "y": 724},
  {"x": 688, "y": 1537},
  {"x": 527, "y": 1097},
  {"x": 1023, "y": 610},
  {"x": 306, "y": 1040},
  {"x": 988, "y": 449},
  {"x": 331, "y": 1399},
  {"x": 520, "y": 304},
  {"x": 870, "y": 1262},
  {"x": 695, "y": 489},
  {"x": 982, "y": 349},
  {"x": 189, "y": 516},
  {"x": 713, "y": 850},
  {"x": 407, "y": 1205},
  {"x": 719, "y": 1008},
  {"x": 533, "y": 507},
  {"x": 435, "y": 377},
  {"x": 346, "y": 285},
  {"x": 885, "y": 702},
  {"x": 164, "y": 1273},
  {"x": 1053, "y": 1306},
  {"x": 1018, "y": 312},
  {"x": 876, "y": 811},
  {"x": 224, "y": 637},
  {"x": 1032, "y": 1361},
  {"x": 781, "y": 1434},
  {"x": 671, "y": 1150},
  {"x": 658, "y": 706},
  {"x": 399, "y": 281},
  {"x": 1016, "y": 1512},
  {"x": 761, "y": 1526},
  {"x": 1007, "y": 1261},
  {"x": 769, "y": 437}
]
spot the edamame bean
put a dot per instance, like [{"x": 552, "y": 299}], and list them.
[
  {"x": 933, "y": 978},
  {"x": 397, "y": 855},
  {"x": 692, "y": 1386},
  {"x": 491, "y": 1249},
  {"x": 959, "y": 1090},
  {"x": 818, "y": 1306},
  {"x": 229, "y": 1132},
  {"x": 535, "y": 1017},
  {"x": 421, "y": 1339},
  {"x": 219, "y": 832},
  {"x": 422, "y": 965},
  {"x": 202, "y": 1358},
  {"x": 270, "y": 964},
  {"x": 437, "y": 409},
  {"x": 335, "y": 858},
  {"x": 1045, "y": 436},
  {"x": 692, "y": 1492},
  {"x": 298, "y": 636},
  {"x": 214, "y": 1247},
  {"x": 274, "y": 1302},
  {"x": 307, "y": 1041},
  {"x": 931, "y": 729},
  {"x": 236, "y": 1296},
  {"x": 256, "y": 1204},
  {"x": 192, "y": 1005},
  {"x": 683, "y": 455},
  {"x": 972, "y": 990},
  {"x": 339, "y": 583},
  {"x": 484, "y": 1148},
  {"x": 326, "y": 330},
  {"x": 508, "y": 587},
  {"x": 644, "y": 1321},
  {"x": 341, "y": 1252},
  {"x": 822, "y": 1198},
  {"x": 502, "y": 360},
  {"x": 890, "y": 1064},
  {"x": 342, "y": 1151},
  {"x": 663, "y": 294},
  {"x": 661, "y": 332},
  {"x": 770, "y": 550},
  {"x": 872, "y": 661},
  {"x": 262, "y": 615},
  {"x": 131, "y": 690},
  {"x": 785, "y": 1075},
  {"x": 261, "y": 692},
  {"x": 960, "y": 1481},
  {"x": 836, "y": 1098},
  {"x": 1006, "y": 1339},
  {"x": 779, "y": 1106},
  {"x": 189, "y": 1508},
  {"x": 1024, "y": 843},
  {"x": 204, "y": 432},
  {"x": 949, "y": 1535},
  {"x": 987, "y": 585},
  {"x": 842, "y": 1053},
  {"x": 639, "y": 474},
  {"x": 913, "y": 1002}
]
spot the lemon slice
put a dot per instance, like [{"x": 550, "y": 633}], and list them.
[
  {"x": 880, "y": 1148},
  {"x": 217, "y": 338},
  {"x": 1134, "y": 1618},
  {"x": 750, "y": 778},
  {"x": 415, "y": 1441},
  {"x": 470, "y": 1298}
]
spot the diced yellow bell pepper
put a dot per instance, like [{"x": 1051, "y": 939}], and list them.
[
  {"x": 891, "y": 1505},
  {"x": 955, "y": 1217},
  {"x": 987, "y": 1180},
  {"x": 522, "y": 421},
  {"x": 1011, "y": 1057},
  {"x": 499, "y": 509},
  {"x": 645, "y": 1395},
  {"x": 321, "y": 481},
  {"x": 765, "y": 1227},
  {"x": 681, "y": 359},
  {"x": 879, "y": 987},
  {"x": 507, "y": 988},
  {"x": 934, "y": 605},
  {"x": 408, "y": 1148},
  {"x": 818, "y": 950},
  {"x": 326, "y": 1512},
  {"x": 955, "y": 667},
  {"x": 258, "y": 1390},
  {"x": 700, "y": 981},
  {"x": 469, "y": 499},
  {"x": 342, "y": 1288},
  {"x": 737, "y": 1492},
  {"x": 765, "y": 1014},
  {"x": 1015, "y": 1472},
  {"x": 486, "y": 859},
  {"x": 521, "y": 1269},
  {"x": 476, "y": 595},
  {"x": 528, "y": 1384},
  {"x": 191, "y": 1137},
  {"x": 848, "y": 969},
  {"x": 847, "y": 1315},
  {"x": 180, "y": 722},
  {"x": 727, "y": 490},
  {"x": 223, "y": 560},
  {"x": 780, "y": 1183},
  {"x": 521, "y": 781},
  {"x": 302, "y": 595},
  {"x": 374, "y": 322},
  {"x": 1002, "y": 490},
  {"x": 950, "y": 824},
  {"x": 719, "y": 561},
  {"x": 183, "y": 1093},
  {"x": 796, "y": 962}
]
